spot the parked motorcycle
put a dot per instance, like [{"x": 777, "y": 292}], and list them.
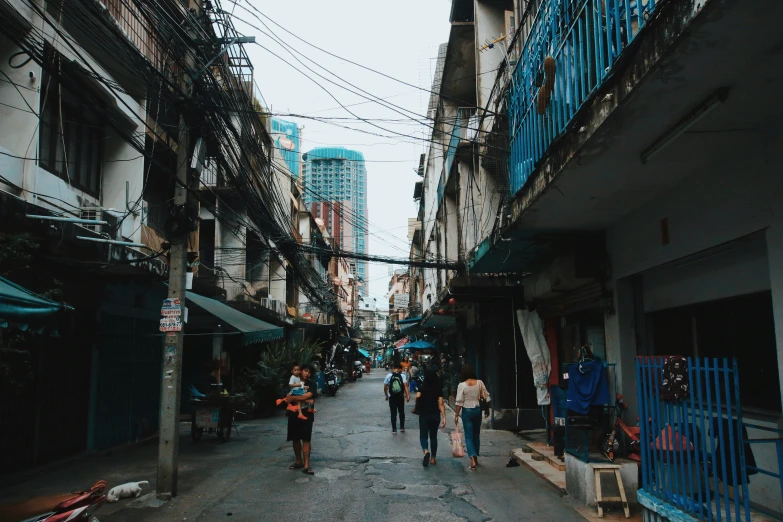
[
  {"x": 358, "y": 369},
  {"x": 81, "y": 507},
  {"x": 331, "y": 382}
]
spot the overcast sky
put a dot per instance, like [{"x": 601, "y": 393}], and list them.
[{"x": 398, "y": 38}]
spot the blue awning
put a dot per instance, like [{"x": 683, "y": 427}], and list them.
[
  {"x": 364, "y": 352},
  {"x": 410, "y": 326},
  {"x": 253, "y": 330},
  {"x": 418, "y": 345},
  {"x": 21, "y": 307}
]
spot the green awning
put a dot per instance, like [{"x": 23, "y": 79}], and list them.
[
  {"x": 22, "y": 307},
  {"x": 253, "y": 330}
]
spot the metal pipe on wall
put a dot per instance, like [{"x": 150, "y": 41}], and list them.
[{"x": 516, "y": 362}]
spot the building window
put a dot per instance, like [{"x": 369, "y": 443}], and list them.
[{"x": 71, "y": 133}]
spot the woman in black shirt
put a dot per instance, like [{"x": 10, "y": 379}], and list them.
[{"x": 432, "y": 414}]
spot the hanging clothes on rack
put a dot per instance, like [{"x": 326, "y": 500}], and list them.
[{"x": 587, "y": 386}]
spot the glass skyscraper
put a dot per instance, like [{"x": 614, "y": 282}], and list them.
[{"x": 336, "y": 192}]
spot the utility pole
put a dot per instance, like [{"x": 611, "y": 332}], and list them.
[{"x": 171, "y": 388}]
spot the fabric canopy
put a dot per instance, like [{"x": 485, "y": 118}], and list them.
[
  {"x": 23, "y": 307},
  {"x": 409, "y": 321},
  {"x": 364, "y": 353},
  {"x": 418, "y": 345},
  {"x": 253, "y": 330}
]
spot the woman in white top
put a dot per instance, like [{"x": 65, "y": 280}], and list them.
[{"x": 469, "y": 391}]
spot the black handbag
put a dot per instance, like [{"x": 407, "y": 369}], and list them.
[{"x": 483, "y": 403}]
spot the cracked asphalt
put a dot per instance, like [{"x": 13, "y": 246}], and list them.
[{"x": 363, "y": 473}]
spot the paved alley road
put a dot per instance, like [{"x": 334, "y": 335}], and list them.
[{"x": 363, "y": 473}]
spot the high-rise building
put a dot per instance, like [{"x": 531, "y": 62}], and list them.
[
  {"x": 336, "y": 192},
  {"x": 288, "y": 140}
]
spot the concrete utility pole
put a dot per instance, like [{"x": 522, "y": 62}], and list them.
[{"x": 171, "y": 388}]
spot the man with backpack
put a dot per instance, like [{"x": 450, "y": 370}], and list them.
[{"x": 395, "y": 388}]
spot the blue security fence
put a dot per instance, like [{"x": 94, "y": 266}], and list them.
[
  {"x": 696, "y": 456},
  {"x": 585, "y": 39}
]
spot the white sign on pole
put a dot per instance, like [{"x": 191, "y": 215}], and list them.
[
  {"x": 170, "y": 324},
  {"x": 401, "y": 300}
]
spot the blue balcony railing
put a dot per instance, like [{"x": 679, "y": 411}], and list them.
[{"x": 570, "y": 50}]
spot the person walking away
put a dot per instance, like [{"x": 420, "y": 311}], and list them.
[
  {"x": 300, "y": 431},
  {"x": 396, "y": 391},
  {"x": 432, "y": 415},
  {"x": 469, "y": 391}
]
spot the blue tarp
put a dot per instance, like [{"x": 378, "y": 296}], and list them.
[
  {"x": 418, "y": 345},
  {"x": 21, "y": 306},
  {"x": 364, "y": 352}
]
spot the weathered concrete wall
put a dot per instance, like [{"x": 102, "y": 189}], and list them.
[
  {"x": 19, "y": 136},
  {"x": 708, "y": 209},
  {"x": 489, "y": 25}
]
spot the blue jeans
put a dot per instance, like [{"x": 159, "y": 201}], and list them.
[
  {"x": 471, "y": 422},
  {"x": 428, "y": 429}
]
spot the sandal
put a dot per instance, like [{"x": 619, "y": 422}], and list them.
[
  {"x": 308, "y": 471},
  {"x": 296, "y": 466}
]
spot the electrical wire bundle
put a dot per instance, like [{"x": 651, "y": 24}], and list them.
[{"x": 221, "y": 109}]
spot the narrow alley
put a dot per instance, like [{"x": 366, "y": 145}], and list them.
[{"x": 362, "y": 472}]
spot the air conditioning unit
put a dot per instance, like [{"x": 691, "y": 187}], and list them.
[{"x": 94, "y": 213}]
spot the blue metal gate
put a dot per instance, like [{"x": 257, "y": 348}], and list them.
[{"x": 694, "y": 448}]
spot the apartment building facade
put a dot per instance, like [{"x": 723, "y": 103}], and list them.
[
  {"x": 629, "y": 197},
  {"x": 335, "y": 180}
]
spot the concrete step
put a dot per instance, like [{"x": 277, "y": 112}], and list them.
[
  {"x": 541, "y": 468},
  {"x": 546, "y": 454}
]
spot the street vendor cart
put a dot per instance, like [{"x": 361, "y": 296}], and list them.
[{"x": 214, "y": 414}]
